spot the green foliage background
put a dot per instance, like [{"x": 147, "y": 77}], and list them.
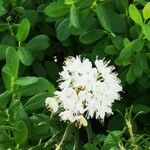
[{"x": 35, "y": 38}]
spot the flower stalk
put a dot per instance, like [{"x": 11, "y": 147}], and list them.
[{"x": 59, "y": 146}]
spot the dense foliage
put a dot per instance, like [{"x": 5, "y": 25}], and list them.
[{"x": 35, "y": 38}]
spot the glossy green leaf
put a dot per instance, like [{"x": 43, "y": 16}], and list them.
[
  {"x": 36, "y": 102},
  {"x": 90, "y": 147},
  {"x": 2, "y": 11},
  {"x": 23, "y": 30},
  {"x": 110, "y": 20},
  {"x": 91, "y": 36},
  {"x": 38, "y": 87},
  {"x": 135, "y": 14},
  {"x": 141, "y": 108},
  {"x": 56, "y": 9},
  {"x": 125, "y": 57},
  {"x": 24, "y": 81},
  {"x": 63, "y": 30},
  {"x": 146, "y": 30},
  {"x": 130, "y": 75},
  {"x": 12, "y": 61},
  {"x": 4, "y": 98},
  {"x": 69, "y": 2},
  {"x": 74, "y": 17},
  {"x": 146, "y": 11},
  {"x": 38, "y": 43},
  {"x": 111, "y": 50},
  {"x": 25, "y": 56},
  {"x": 22, "y": 134}
]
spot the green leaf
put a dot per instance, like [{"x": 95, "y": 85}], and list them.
[
  {"x": 111, "y": 50},
  {"x": 24, "y": 81},
  {"x": 138, "y": 69},
  {"x": 6, "y": 79},
  {"x": 63, "y": 30},
  {"x": 122, "y": 4},
  {"x": 3, "y": 27},
  {"x": 31, "y": 15},
  {"x": 69, "y": 2},
  {"x": 91, "y": 36},
  {"x": 38, "y": 43},
  {"x": 38, "y": 87},
  {"x": 22, "y": 134},
  {"x": 36, "y": 102},
  {"x": 74, "y": 17},
  {"x": 2, "y": 10},
  {"x": 56, "y": 9},
  {"x": 146, "y": 11},
  {"x": 111, "y": 141},
  {"x": 110, "y": 20},
  {"x": 23, "y": 30},
  {"x": 90, "y": 147},
  {"x": 135, "y": 15},
  {"x": 146, "y": 30},
  {"x": 125, "y": 57},
  {"x": 25, "y": 56},
  {"x": 20, "y": 114},
  {"x": 12, "y": 61},
  {"x": 143, "y": 60},
  {"x": 4, "y": 98},
  {"x": 130, "y": 77},
  {"x": 141, "y": 108}
]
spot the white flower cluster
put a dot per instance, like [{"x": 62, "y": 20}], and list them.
[{"x": 86, "y": 90}]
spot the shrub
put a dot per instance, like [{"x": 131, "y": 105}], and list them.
[{"x": 37, "y": 36}]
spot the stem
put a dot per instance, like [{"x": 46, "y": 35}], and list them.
[
  {"x": 9, "y": 25},
  {"x": 121, "y": 146},
  {"x": 76, "y": 142},
  {"x": 15, "y": 90},
  {"x": 130, "y": 129},
  {"x": 89, "y": 132},
  {"x": 59, "y": 146}
]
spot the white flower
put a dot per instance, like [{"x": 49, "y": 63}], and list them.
[
  {"x": 86, "y": 91},
  {"x": 51, "y": 104}
]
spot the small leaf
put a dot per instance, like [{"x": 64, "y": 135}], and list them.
[
  {"x": 4, "y": 98},
  {"x": 91, "y": 36},
  {"x": 2, "y": 10},
  {"x": 146, "y": 30},
  {"x": 3, "y": 26},
  {"x": 24, "y": 81},
  {"x": 12, "y": 61},
  {"x": 138, "y": 70},
  {"x": 141, "y": 108},
  {"x": 90, "y": 147},
  {"x": 146, "y": 11},
  {"x": 37, "y": 87},
  {"x": 63, "y": 29},
  {"x": 130, "y": 75},
  {"x": 36, "y": 102},
  {"x": 69, "y": 2},
  {"x": 25, "y": 56},
  {"x": 38, "y": 43},
  {"x": 135, "y": 14},
  {"x": 110, "y": 20},
  {"x": 74, "y": 17},
  {"x": 125, "y": 56},
  {"x": 23, "y": 30},
  {"x": 21, "y": 134},
  {"x": 56, "y": 9},
  {"x": 111, "y": 50}
]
